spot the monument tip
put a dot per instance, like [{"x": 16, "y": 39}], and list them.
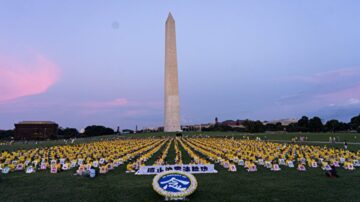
[{"x": 170, "y": 17}]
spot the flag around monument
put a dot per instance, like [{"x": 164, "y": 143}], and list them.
[{"x": 172, "y": 103}]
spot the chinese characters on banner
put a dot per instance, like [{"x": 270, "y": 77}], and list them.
[{"x": 188, "y": 168}]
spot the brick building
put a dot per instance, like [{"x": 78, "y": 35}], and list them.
[{"x": 35, "y": 130}]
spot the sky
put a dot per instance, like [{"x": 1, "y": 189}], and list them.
[{"x": 80, "y": 63}]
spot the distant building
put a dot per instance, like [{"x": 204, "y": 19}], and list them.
[
  {"x": 150, "y": 130},
  {"x": 36, "y": 130},
  {"x": 284, "y": 122},
  {"x": 196, "y": 127},
  {"x": 127, "y": 131},
  {"x": 234, "y": 124}
]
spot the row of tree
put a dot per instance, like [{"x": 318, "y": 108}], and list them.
[
  {"x": 316, "y": 125},
  {"x": 6, "y": 134},
  {"x": 305, "y": 124},
  {"x": 66, "y": 133},
  {"x": 90, "y": 131}
]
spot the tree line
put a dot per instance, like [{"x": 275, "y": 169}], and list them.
[
  {"x": 305, "y": 124},
  {"x": 66, "y": 133},
  {"x": 89, "y": 131}
]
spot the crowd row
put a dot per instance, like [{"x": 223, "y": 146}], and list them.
[
  {"x": 252, "y": 153},
  {"x": 229, "y": 153}
]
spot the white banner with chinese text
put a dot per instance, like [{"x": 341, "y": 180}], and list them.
[{"x": 188, "y": 168}]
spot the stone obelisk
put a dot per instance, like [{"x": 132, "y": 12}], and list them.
[{"x": 172, "y": 103}]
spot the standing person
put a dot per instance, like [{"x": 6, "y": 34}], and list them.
[{"x": 345, "y": 144}]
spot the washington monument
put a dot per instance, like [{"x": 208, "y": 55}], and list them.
[{"x": 172, "y": 103}]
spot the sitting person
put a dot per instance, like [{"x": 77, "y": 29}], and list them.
[
  {"x": 332, "y": 172},
  {"x": 92, "y": 173}
]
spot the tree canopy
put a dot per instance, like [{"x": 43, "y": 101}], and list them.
[{"x": 96, "y": 130}]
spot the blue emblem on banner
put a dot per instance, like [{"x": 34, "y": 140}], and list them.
[{"x": 174, "y": 183}]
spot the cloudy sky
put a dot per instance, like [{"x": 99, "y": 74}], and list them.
[{"x": 102, "y": 62}]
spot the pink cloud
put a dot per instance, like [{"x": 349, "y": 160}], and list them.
[
  {"x": 349, "y": 96},
  {"x": 328, "y": 76},
  {"x": 344, "y": 97},
  {"x": 118, "y": 102},
  {"x": 121, "y": 102},
  {"x": 135, "y": 113},
  {"x": 19, "y": 79},
  {"x": 123, "y": 106},
  {"x": 302, "y": 103},
  {"x": 147, "y": 104}
]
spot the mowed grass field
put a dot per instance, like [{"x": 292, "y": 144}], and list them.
[{"x": 264, "y": 185}]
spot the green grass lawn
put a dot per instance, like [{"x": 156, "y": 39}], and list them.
[{"x": 264, "y": 185}]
